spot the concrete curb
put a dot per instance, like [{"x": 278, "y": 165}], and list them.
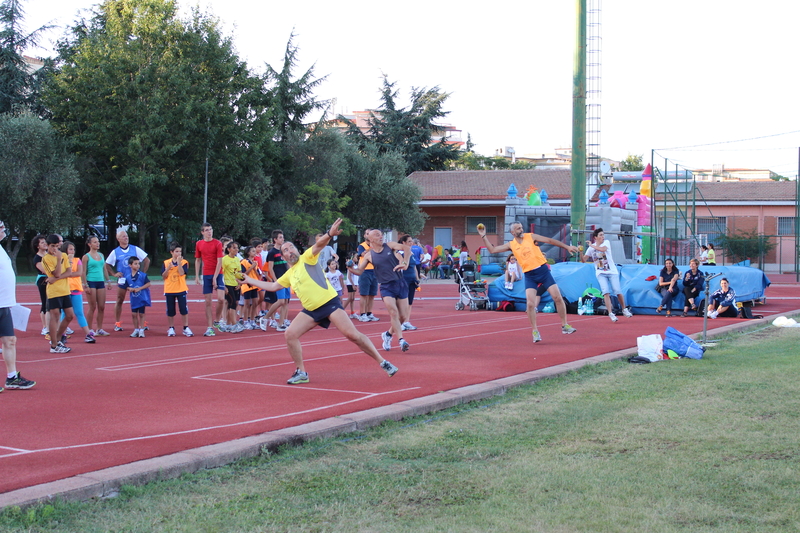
[{"x": 107, "y": 482}]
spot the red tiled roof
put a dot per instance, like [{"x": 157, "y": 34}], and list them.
[
  {"x": 490, "y": 184},
  {"x": 747, "y": 190}
]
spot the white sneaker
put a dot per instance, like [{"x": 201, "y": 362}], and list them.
[
  {"x": 171, "y": 332},
  {"x": 613, "y": 317},
  {"x": 408, "y": 326},
  {"x": 188, "y": 332},
  {"x": 363, "y": 318},
  {"x": 372, "y": 318},
  {"x": 387, "y": 340},
  {"x": 354, "y": 315},
  {"x": 712, "y": 314},
  {"x": 45, "y": 331},
  {"x": 69, "y": 331},
  {"x": 281, "y": 328},
  {"x": 287, "y": 323},
  {"x": 141, "y": 333},
  {"x": 627, "y": 312},
  {"x": 135, "y": 334},
  {"x": 262, "y": 324},
  {"x": 273, "y": 324}
]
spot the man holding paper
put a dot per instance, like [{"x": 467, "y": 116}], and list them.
[{"x": 8, "y": 299}]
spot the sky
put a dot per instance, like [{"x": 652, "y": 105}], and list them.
[{"x": 694, "y": 82}]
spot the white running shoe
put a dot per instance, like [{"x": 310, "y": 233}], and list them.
[
  {"x": 372, "y": 318},
  {"x": 627, "y": 312},
  {"x": 354, "y": 315},
  {"x": 135, "y": 334},
  {"x": 188, "y": 332},
  {"x": 404, "y": 346},
  {"x": 69, "y": 331},
  {"x": 363, "y": 318},
  {"x": 613, "y": 317},
  {"x": 171, "y": 332},
  {"x": 45, "y": 331},
  {"x": 287, "y": 322},
  {"x": 387, "y": 340},
  {"x": 408, "y": 326}
]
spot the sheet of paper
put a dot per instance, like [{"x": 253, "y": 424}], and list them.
[{"x": 19, "y": 315}]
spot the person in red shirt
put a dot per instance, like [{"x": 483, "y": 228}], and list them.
[{"x": 208, "y": 254}]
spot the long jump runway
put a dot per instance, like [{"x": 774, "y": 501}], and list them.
[{"x": 126, "y": 399}]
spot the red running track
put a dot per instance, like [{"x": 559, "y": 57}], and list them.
[{"x": 122, "y": 399}]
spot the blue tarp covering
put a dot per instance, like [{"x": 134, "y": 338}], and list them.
[{"x": 573, "y": 279}]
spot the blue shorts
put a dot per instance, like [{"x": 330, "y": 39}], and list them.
[
  {"x": 368, "y": 283},
  {"x": 208, "y": 283},
  {"x": 320, "y": 314},
  {"x": 539, "y": 278},
  {"x": 283, "y": 294},
  {"x": 6, "y": 323},
  {"x": 397, "y": 289},
  {"x": 96, "y": 284},
  {"x": 139, "y": 310}
]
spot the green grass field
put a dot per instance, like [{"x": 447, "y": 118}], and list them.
[{"x": 686, "y": 445}]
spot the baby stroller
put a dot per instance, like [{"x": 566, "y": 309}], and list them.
[{"x": 471, "y": 291}]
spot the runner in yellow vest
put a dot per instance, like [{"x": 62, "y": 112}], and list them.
[{"x": 535, "y": 271}]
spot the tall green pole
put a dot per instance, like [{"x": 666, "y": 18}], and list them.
[{"x": 578, "y": 204}]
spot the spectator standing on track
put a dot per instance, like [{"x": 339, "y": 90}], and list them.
[
  {"x": 95, "y": 280},
  {"x": 278, "y": 314},
  {"x": 327, "y": 253},
  {"x": 394, "y": 289},
  {"x": 8, "y": 299},
  {"x": 174, "y": 272},
  {"x": 77, "y": 282},
  {"x": 411, "y": 275},
  {"x": 416, "y": 252},
  {"x": 367, "y": 284},
  {"x": 352, "y": 287},
  {"x": 321, "y": 305},
  {"x": 334, "y": 275},
  {"x": 57, "y": 267},
  {"x": 599, "y": 252},
  {"x": 39, "y": 248},
  {"x": 525, "y": 246},
  {"x": 231, "y": 271},
  {"x": 138, "y": 284},
  {"x": 208, "y": 256},
  {"x": 118, "y": 258}
]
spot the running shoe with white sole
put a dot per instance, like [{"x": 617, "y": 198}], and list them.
[
  {"x": 408, "y": 326},
  {"x": 389, "y": 368},
  {"x": 613, "y": 317},
  {"x": 102, "y": 333},
  {"x": 171, "y": 332},
  {"x": 298, "y": 377},
  {"x": 89, "y": 339},
  {"x": 536, "y": 336},
  {"x": 59, "y": 348},
  {"x": 281, "y": 328},
  {"x": 404, "y": 346},
  {"x": 567, "y": 330},
  {"x": 118, "y": 326},
  {"x": 627, "y": 312},
  {"x": 387, "y": 340},
  {"x": 372, "y": 318},
  {"x": 363, "y": 318},
  {"x": 209, "y": 333},
  {"x": 69, "y": 331},
  {"x": 19, "y": 382},
  {"x": 287, "y": 322},
  {"x": 187, "y": 332},
  {"x": 141, "y": 333}
]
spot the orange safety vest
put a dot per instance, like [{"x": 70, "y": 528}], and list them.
[{"x": 529, "y": 255}]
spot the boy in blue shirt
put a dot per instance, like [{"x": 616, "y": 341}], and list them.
[{"x": 138, "y": 286}]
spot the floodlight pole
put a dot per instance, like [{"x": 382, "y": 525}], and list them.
[
  {"x": 578, "y": 202},
  {"x": 705, "y": 303}
]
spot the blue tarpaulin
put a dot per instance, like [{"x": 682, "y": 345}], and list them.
[{"x": 573, "y": 279}]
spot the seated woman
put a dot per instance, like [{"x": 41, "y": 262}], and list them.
[
  {"x": 447, "y": 265},
  {"x": 668, "y": 286},
  {"x": 693, "y": 281},
  {"x": 723, "y": 301},
  {"x": 513, "y": 272}
]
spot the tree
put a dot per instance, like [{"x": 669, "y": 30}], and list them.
[
  {"x": 409, "y": 131},
  {"x": 145, "y": 100},
  {"x": 37, "y": 178},
  {"x": 19, "y": 86},
  {"x": 473, "y": 161},
  {"x": 632, "y": 163},
  {"x": 746, "y": 245}
]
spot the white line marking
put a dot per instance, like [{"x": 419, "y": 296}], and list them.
[{"x": 210, "y": 428}]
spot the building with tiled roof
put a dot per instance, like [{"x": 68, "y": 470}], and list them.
[{"x": 457, "y": 201}]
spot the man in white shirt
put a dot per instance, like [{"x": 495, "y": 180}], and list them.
[{"x": 8, "y": 299}]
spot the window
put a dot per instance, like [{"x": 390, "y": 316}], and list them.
[
  {"x": 489, "y": 222},
  {"x": 711, "y": 225},
  {"x": 786, "y": 225}
]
